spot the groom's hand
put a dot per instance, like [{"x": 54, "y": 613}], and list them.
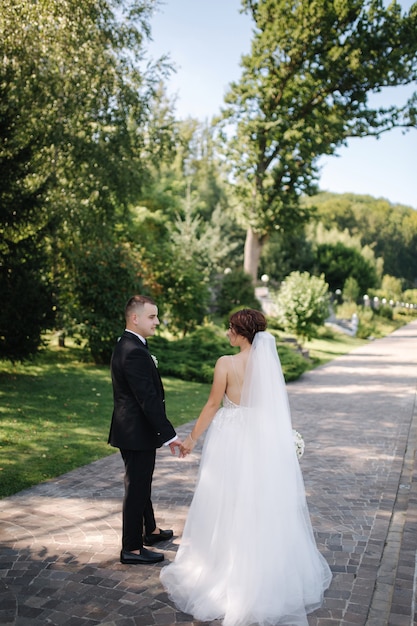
[
  {"x": 183, "y": 452},
  {"x": 175, "y": 444}
]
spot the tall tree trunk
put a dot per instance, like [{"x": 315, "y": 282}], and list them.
[{"x": 253, "y": 248}]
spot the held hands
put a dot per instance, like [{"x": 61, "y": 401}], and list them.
[
  {"x": 175, "y": 444},
  {"x": 187, "y": 446},
  {"x": 184, "y": 448}
]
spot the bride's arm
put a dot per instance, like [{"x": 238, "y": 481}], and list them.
[{"x": 209, "y": 410}]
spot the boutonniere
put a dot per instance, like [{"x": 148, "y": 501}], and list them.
[{"x": 155, "y": 360}]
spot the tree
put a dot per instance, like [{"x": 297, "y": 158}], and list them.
[
  {"x": 27, "y": 299},
  {"x": 304, "y": 90},
  {"x": 302, "y": 304},
  {"x": 391, "y": 287},
  {"x": 284, "y": 253},
  {"x": 410, "y": 296},
  {"x": 104, "y": 277},
  {"x": 24, "y": 275},
  {"x": 385, "y": 233},
  {"x": 180, "y": 260},
  {"x": 236, "y": 291},
  {"x": 338, "y": 262},
  {"x": 74, "y": 91}
]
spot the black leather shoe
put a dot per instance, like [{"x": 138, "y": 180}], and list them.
[
  {"x": 163, "y": 535},
  {"x": 146, "y": 557}
]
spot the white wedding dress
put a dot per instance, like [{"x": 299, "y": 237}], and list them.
[{"x": 248, "y": 554}]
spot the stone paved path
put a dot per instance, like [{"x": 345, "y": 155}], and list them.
[{"x": 60, "y": 541}]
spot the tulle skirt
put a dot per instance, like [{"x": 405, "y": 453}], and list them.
[{"x": 248, "y": 554}]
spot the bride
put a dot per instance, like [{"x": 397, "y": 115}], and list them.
[{"x": 248, "y": 554}]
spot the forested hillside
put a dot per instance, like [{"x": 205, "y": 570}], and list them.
[{"x": 389, "y": 230}]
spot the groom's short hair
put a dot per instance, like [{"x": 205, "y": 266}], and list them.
[{"x": 137, "y": 302}]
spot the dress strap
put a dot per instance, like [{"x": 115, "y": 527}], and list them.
[{"x": 236, "y": 376}]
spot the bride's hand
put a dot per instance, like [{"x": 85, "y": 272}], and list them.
[{"x": 187, "y": 446}]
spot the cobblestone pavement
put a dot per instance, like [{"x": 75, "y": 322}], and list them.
[{"x": 60, "y": 541}]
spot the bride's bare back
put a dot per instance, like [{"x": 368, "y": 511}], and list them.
[{"x": 236, "y": 368}]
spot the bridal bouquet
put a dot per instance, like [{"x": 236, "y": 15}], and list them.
[{"x": 299, "y": 443}]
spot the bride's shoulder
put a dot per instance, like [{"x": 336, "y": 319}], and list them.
[{"x": 224, "y": 362}]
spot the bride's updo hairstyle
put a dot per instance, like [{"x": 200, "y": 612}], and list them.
[{"x": 248, "y": 322}]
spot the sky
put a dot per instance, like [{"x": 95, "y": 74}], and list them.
[{"x": 205, "y": 40}]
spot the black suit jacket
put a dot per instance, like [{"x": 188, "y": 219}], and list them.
[{"x": 139, "y": 421}]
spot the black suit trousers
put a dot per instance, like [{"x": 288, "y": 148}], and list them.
[{"x": 138, "y": 514}]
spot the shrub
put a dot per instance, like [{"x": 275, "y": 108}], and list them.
[
  {"x": 303, "y": 304},
  {"x": 339, "y": 262},
  {"x": 293, "y": 363},
  {"x": 366, "y": 326},
  {"x": 351, "y": 291},
  {"x": 346, "y": 310},
  {"x": 236, "y": 291},
  {"x": 385, "y": 311},
  {"x": 194, "y": 356}
]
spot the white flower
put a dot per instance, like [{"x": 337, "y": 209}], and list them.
[
  {"x": 299, "y": 443},
  {"x": 155, "y": 360}
]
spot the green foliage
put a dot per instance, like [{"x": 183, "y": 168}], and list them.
[
  {"x": 391, "y": 288},
  {"x": 236, "y": 291},
  {"x": 410, "y": 295},
  {"x": 304, "y": 90},
  {"x": 180, "y": 260},
  {"x": 303, "y": 304},
  {"x": 186, "y": 297},
  {"x": 202, "y": 170},
  {"x": 379, "y": 322},
  {"x": 27, "y": 299},
  {"x": 390, "y": 230},
  {"x": 351, "y": 290},
  {"x": 346, "y": 309},
  {"x": 317, "y": 234},
  {"x": 192, "y": 357},
  {"x": 184, "y": 280},
  {"x": 87, "y": 132},
  {"x": 385, "y": 311},
  {"x": 106, "y": 277},
  {"x": 286, "y": 252},
  {"x": 25, "y": 280},
  {"x": 292, "y": 362},
  {"x": 337, "y": 263},
  {"x": 73, "y": 94},
  {"x": 366, "y": 326}
]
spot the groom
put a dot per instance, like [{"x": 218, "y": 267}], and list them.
[{"x": 139, "y": 426}]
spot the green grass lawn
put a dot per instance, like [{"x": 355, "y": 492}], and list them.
[
  {"x": 55, "y": 415},
  {"x": 322, "y": 350}
]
